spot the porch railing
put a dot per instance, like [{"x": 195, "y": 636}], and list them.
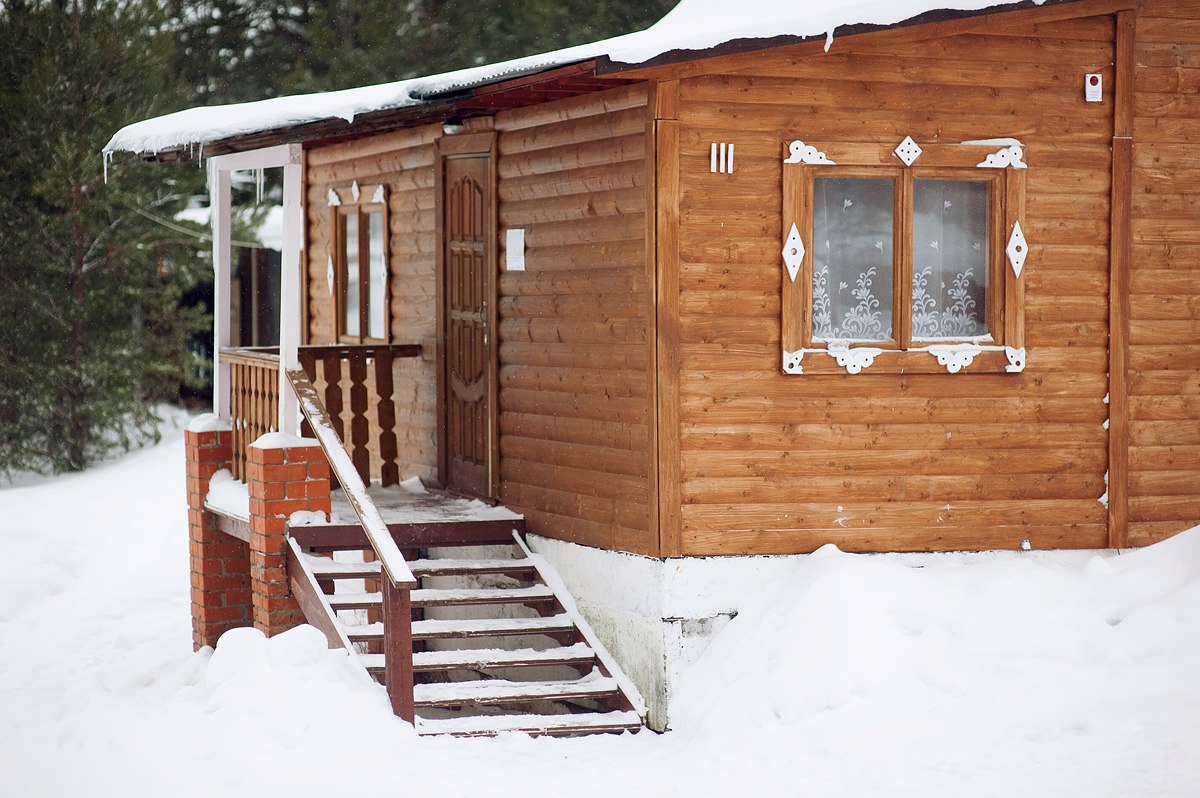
[{"x": 254, "y": 399}]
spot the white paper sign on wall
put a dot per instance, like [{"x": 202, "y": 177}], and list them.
[
  {"x": 1093, "y": 88},
  {"x": 514, "y": 249}
]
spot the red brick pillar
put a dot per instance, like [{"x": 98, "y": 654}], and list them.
[
  {"x": 285, "y": 475},
  {"x": 220, "y": 563}
]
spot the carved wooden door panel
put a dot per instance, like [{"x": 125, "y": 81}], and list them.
[{"x": 467, "y": 288}]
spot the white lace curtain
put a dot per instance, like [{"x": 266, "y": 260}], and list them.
[{"x": 853, "y": 259}]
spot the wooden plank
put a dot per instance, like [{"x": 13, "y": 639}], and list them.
[
  {"x": 978, "y": 536},
  {"x": 667, "y": 257}
]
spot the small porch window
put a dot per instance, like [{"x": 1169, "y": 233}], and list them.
[
  {"x": 360, "y": 270},
  {"x": 889, "y": 261}
]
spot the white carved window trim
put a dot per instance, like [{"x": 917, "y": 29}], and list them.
[
  {"x": 361, "y": 201},
  {"x": 906, "y": 160}
]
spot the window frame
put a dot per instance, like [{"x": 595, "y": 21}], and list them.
[
  {"x": 362, "y": 208},
  {"x": 1003, "y": 170}
]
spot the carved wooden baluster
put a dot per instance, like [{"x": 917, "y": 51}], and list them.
[
  {"x": 236, "y": 380},
  {"x": 333, "y": 391},
  {"x": 389, "y": 471},
  {"x": 308, "y": 361},
  {"x": 360, "y": 433}
]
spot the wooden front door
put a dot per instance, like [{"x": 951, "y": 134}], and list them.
[{"x": 467, "y": 388}]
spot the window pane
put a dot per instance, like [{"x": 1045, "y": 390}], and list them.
[
  {"x": 950, "y": 260},
  {"x": 352, "y": 283},
  {"x": 376, "y": 300},
  {"x": 852, "y": 258}
]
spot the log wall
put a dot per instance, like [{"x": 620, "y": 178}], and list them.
[
  {"x": 576, "y": 374},
  {"x": 402, "y": 161},
  {"x": 772, "y": 463},
  {"x": 1164, "y": 299}
]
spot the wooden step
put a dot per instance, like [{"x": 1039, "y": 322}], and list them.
[
  {"x": 325, "y": 568},
  {"x": 453, "y": 567},
  {"x": 552, "y": 725},
  {"x": 489, "y": 658},
  {"x": 449, "y": 597},
  {"x": 469, "y": 628},
  {"x": 491, "y": 627},
  {"x": 500, "y": 692}
]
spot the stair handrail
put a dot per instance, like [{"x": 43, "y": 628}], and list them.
[
  {"x": 395, "y": 567},
  {"x": 398, "y": 581}
]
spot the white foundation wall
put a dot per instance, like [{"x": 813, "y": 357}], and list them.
[{"x": 656, "y": 617}]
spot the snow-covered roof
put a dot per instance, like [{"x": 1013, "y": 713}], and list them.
[{"x": 693, "y": 26}]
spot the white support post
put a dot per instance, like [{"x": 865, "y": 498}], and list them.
[
  {"x": 289, "y": 293},
  {"x": 219, "y": 203}
]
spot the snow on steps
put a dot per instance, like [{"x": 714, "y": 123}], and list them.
[
  {"x": 325, "y": 568},
  {"x": 555, "y": 725},
  {"x": 491, "y": 692},
  {"x": 488, "y": 658},
  {"x": 439, "y": 597},
  {"x": 462, "y": 680}
]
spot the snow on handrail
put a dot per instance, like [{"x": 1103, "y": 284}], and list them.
[{"x": 394, "y": 564}]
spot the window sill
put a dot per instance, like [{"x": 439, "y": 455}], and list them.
[{"x": 931, "y": 359}]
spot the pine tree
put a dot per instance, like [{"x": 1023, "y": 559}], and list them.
[{"x": 92, "y": 335}]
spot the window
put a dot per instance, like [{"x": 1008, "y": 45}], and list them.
[
  {"x": 903, "y": 261},
  {"x": 358, "y": 269}
]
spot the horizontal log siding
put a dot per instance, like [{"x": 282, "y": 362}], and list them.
[
  {"x": 575, "y": 373},
  {"x": 779, "y": 464},
  {"x": 402, "y": 161},
  {"x": 1164, "y": 358}
]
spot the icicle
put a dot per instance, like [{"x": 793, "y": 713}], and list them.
[
  {"x": 258, "y": 185},
  {"x": 106, "y": 157}
]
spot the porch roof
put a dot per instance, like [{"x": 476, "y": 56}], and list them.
[{"x": 694, "y": 29}]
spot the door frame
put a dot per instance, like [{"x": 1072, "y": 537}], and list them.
[{"x": 468, "y": 145}]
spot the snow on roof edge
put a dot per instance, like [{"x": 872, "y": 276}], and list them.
[{"x": 693, "y": 26}]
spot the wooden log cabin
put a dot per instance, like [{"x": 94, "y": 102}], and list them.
[{"x": 754, "y": 287}]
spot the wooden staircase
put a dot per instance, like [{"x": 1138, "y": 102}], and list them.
[{"x": 497, "y": 645}]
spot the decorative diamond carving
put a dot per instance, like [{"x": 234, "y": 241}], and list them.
[
  {"x": 793, "y": 252},
  {"x": 791, "y": 361},
  {"x": 1002, "y": 159},
  {"x": 1017, "y": 249},
  {"x": 955, "y": 357},
  {"x": 354, "y": 190},
  {"x": 329, "y": 275},
  {"x": 1016, "y": 359},
  {"x": 854, "y": 360},
  {"x": 908, "y": 151},
  {"x": 333, "y": 198},
  {"x": 799, "y": 152},
  {"x": 379, "y": 197}
]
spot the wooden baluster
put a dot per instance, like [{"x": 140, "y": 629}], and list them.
[
  {"x": 360, "y": 433},
  {"x": 308, "y": 361},
  {"x": 333, "y": 391},
  {"x": 397, "y": 644},
  {"x": 235, "y": 411},
  {"x": 389, "y": 471}
]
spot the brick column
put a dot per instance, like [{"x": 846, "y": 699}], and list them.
[
  {"x": 284, "y": 474},
  {"x": 220, "y": 564}
]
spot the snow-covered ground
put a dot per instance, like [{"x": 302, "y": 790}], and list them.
[{"x": 1015, "y": 674}]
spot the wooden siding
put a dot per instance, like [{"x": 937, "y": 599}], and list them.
[
  {"x": 1164, "y": 299},
  {"x": 575, "y": 369},
  {"x": 771, "y": 463},
  {"x": 402, "y": 161}
]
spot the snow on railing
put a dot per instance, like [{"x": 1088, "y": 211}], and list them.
[{"x": 372, "y": 522}]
